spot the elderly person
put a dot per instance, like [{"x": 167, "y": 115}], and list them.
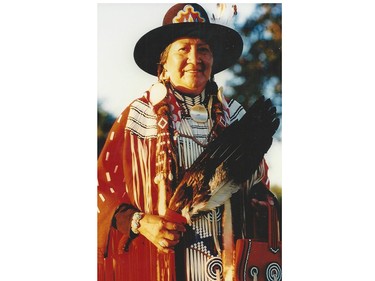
[{"x": 150, "y": 146}]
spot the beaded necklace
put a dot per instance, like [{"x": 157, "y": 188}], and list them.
[{"x": 169, "y": 113}]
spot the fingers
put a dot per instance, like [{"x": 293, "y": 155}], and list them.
[
  {"x": 162, "y": 247},
  {"x": 169, "y": 238},
  {"x": 174, "y": 226},
  {"x": 171, "y": 235},
  {"x": 166, "y": 243},
  {"x": 166, "y": 246},
  {"x": 163, "y": 234}
]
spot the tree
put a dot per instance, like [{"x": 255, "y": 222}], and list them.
[
  {"x": 258, "y": 72},
  {"x": 104, "y": 122}
]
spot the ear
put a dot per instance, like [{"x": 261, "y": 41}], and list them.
[{"x": 164, "y": 75}]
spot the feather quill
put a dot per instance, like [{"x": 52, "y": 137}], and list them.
[{"x": 226, "y": 162}]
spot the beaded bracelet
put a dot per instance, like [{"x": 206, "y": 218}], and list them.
[{"x": 135, "y": 222}]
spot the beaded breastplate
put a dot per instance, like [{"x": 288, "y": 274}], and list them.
[{"x": 202, "y": 240}]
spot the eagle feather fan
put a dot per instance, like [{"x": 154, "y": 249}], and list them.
[{"x": 227, "y": 161}]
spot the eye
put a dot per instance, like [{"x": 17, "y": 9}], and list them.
[
  {"x": 204, "y": 50},
  {"x": 183, "y": 49}
]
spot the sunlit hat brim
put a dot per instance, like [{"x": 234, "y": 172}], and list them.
[{"x": 226, "y": 44}]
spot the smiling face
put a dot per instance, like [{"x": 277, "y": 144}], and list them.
[{"x": 188, "y": 64}]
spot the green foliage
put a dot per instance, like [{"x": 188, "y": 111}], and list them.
[
  {"x": 277, "y": 191},
  {"x": 257, "y": 73},
  {"x": 104, "y": 123},
  {"x": 259, "y": 70}
]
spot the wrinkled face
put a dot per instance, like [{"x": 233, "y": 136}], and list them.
[{"x": 189, "y": 64}]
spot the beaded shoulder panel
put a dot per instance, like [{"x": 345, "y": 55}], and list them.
[{"x": 142, "y": 120}]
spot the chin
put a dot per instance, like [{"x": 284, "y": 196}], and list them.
[
  {"x": 195, "y": 85},
  {"x": 195, "y": 88}
]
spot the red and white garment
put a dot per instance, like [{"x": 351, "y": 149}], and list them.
[{"x": 127, "y": 167}]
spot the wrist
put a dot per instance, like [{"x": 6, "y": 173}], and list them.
[{"x": 135, "y": 223}]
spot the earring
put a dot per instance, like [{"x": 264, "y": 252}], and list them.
[
  {"x": 166, "y": 75},
  {"x": 157, "y": 93}
]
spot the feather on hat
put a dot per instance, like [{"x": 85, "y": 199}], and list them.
[{"x": 188, "y": 20}]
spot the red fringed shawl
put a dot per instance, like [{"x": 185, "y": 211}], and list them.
[{"x": 131, "y": 159}]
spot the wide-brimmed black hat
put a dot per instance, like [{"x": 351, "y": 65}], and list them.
[{"x": 188, "y": 20}]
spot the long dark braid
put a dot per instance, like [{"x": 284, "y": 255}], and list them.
[
  {"x": 167, "y": 168},
  {"x": 217, "y": 109}
]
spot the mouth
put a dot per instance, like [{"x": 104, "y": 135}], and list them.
[{"x": 194, "y": 70}]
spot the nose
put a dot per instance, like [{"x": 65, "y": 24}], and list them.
[{"x": 194, "y": 56}]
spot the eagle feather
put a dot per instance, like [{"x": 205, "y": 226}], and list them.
[{"x": 229, "y": 160}]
